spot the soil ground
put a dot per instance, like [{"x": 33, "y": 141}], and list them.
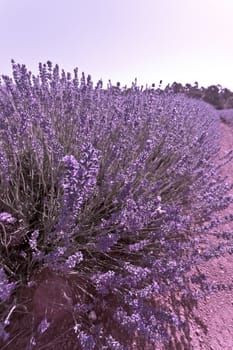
[{"x": 216, "y": 310}]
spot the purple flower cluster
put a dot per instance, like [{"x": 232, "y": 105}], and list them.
[
  {"x": 5, "y": 287},
  {"x": 78, "y": 183},
  {"x": 7, "y": 217}
]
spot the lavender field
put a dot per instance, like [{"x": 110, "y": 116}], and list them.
[{"x": 105, "y": 195}]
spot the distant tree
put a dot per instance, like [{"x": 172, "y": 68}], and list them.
[
  {"x": 177, "y": 87},
  {"x": 212, "y": 95}
]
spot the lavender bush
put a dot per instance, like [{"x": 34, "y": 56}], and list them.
[{"x": 108, "y": 191}]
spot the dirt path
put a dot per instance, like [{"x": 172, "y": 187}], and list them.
[{"x": 216, "y": 310}]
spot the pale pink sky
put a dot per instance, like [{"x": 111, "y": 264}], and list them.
[{"x": 153, "y": 40}]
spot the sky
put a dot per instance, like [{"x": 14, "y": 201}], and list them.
[{"x": 151, "y": 40}]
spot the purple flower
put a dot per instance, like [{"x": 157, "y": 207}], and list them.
[
  {"x": 78, "y": 183},
  {"x": 33, "y": 240},
  {"x": 87, "y": 341},
  {"x": 3, "y": 334},
  {"x": 114, "y": 344},
  {"x": 6, "y": 217},
  {"x": 74, "y": 259},
  {"x": 43, "y": 326},
  {"x": 138, "y": 246},
  {"x": 105, "y": 243},
  {"x": 105, "y": 282},
  {"x": 5, "y": 287}
]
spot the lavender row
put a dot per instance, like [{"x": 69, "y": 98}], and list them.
[{"x": 111, "y": 186}]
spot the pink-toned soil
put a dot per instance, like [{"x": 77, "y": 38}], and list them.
[{"x": 216, "y": 310}]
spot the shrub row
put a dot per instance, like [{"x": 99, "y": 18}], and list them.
[{"x": 107, "y": 190}]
